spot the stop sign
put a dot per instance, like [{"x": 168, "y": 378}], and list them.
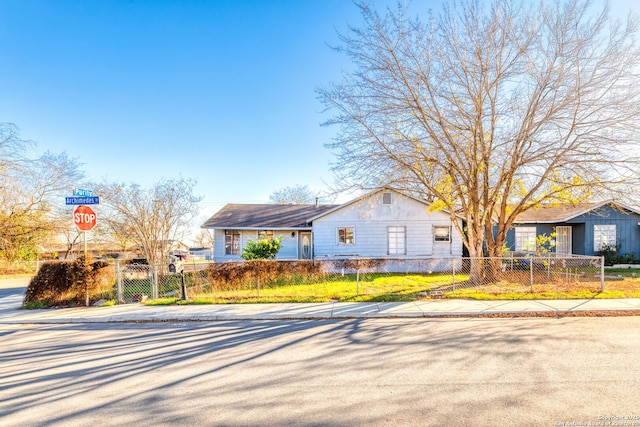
[{"x": 84, "y": 217}]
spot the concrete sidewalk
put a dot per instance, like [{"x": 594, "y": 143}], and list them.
[{"x": 10, "y": 312}]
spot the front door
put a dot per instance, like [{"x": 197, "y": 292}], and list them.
[
  {"x": 304, "y": 245},
  {"x": 563, "y": 240}
]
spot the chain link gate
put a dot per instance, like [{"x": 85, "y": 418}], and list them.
[{"x": 139, "y": 282}]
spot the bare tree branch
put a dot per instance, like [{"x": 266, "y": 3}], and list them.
[
  {"x": 154, "y": 218},
  {"x": 489, "y": 110}
]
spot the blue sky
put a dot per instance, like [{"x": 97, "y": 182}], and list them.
[{"x": 218, "y": 91}]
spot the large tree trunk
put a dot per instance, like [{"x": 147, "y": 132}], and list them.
[
  {"x": 493, "y": 265},
  {"x": 476, "y": 268}
]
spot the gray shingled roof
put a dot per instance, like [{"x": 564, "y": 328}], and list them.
[
  {"x": 264, "y": 216},
  {"x": 564, "y": 212}
]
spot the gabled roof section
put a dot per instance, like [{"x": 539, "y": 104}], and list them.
[
  {"x": 565, "y": 213},
  {"x": 264, "y": 216},
  {"x": 366, "y": 196}
]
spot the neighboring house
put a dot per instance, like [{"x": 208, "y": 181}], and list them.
[
  {"x": 580, "y": 229},
  {"x": 201, "y": 253},
  {"x": 383, "y": 223}
]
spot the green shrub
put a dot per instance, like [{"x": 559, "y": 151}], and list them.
[
  {"x": 67, "y": 283},
  {"x": 262, "y": 249},
  {"x": 612, "y": 255}
]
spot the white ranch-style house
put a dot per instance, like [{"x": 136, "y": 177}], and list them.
[{"x": 380, "y": 224}]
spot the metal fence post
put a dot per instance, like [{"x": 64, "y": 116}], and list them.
[
  {"x": 453, "y": 275},
  {"x": 183, "y": 287},
  {"x": 601, "y": 274},
  {"x": 531, "y": 272},
  {"x": 154, "y": 282},
  {"x": 119, "y": 297}
]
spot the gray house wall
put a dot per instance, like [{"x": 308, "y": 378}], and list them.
[{"x": 627, "y": 230}]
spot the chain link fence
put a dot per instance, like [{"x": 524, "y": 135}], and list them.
[
  {"x": 139, "y": 282},
  {"x": 424, "y": 276},
  {"x": 514, "y": 272}
]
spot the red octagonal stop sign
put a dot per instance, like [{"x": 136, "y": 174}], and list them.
[{"x": 84, "y": 217}]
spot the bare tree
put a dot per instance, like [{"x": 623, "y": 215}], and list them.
[
  {"x": 31, "y": 186},
  {"x": 490, "y": 109},
  {"x": 204, "y": 239},
  {"x": 297, "y": 195},
  {"x": 154, "y": 218}
]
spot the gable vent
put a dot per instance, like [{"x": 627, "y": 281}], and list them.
[{"x": 386, "y": 198}]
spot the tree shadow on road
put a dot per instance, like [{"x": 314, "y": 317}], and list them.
[{"x": 322, "y": 372}]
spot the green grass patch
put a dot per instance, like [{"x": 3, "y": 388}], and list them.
[
  {"x": 36, "y": 305},
  {"x": 381, "y": 287},
  {"x": 109, "y": 303},
  {"x": 369, "y": 288}
]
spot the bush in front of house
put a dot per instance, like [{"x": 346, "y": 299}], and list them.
[
  {"x": 246, "y": 274},
  {"x": 66, "y": 283},
  {"x": 262, "y": 249},
  {"x": 612, "y": 255}
]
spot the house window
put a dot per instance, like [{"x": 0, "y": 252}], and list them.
[
  {"x": 345, "y": 235},
  {"x": 232, "y": 242},
  {"x": 441, "y": 234},
  {"x": 265, "y": 234},
  {"x": 386, "y": 198},
  {"x": 526, "y": 239},
  {"x": 397, "y": 239},
  {"x": 604, "y": 235}
]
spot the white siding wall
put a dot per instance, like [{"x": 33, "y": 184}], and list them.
[
  {"x": 289, "y": 248},
  {"x": 370, "y": 218},
  {"x": 218, "y": 247}
]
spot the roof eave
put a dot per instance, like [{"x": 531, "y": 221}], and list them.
[{"x": 231, "y": 227}]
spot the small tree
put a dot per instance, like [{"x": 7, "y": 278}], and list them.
[
  {"x": 545, "y": 244},
  {"x": 153, "y": 218},
  {"x": 298, "y": 195},
  {"x": 262, "y": 249},
  {"x": 204, "y": 239},
  {"x": 31, "y": 188}
]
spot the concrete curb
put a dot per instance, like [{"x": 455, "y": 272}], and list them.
[{"x": 432, "y": 309}]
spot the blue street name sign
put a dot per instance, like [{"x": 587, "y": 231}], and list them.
[
  {"x": 82, "y": 200},
  {"x": 81, "y": 192}
]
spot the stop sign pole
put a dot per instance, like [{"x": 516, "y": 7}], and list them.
[{"x": 85, "y": 219}]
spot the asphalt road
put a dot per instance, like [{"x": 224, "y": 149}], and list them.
[
  {"x": 13, "y": 286},
  {"x": 446, "y": 372}
]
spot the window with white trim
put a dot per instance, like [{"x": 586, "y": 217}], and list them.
[
  {"x": 441, "y": 234},
  {"x": 386, "y": 198},
  {"x": 604, "y": 234},
  {"x": 345, "y": 236},
  {"x": 397, "y": 240},
  {"x": 526, "y": 239},
  {"x": 232, "y": 242}
]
